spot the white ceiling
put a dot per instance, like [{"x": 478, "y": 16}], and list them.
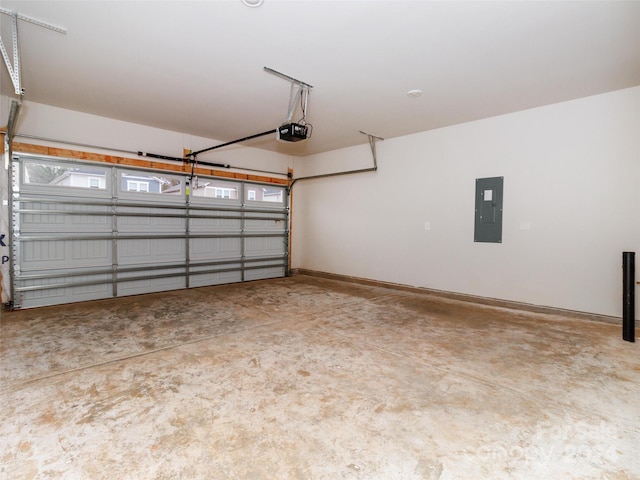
[{"x": 197, "y": 67}]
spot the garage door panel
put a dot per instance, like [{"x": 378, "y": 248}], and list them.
[
  {"x": 216, "y": 278},
  {"x": 271, "y": 225},
  {"x": 40, "y": 298},
  {"x": 88, "y": 291},
  {"x": 99, "y": 287},
  {"x": 150, "y": 251},
  {"x": 45, "y": 253},
  {"x": 262, "y": 273},
  {"x": 64, "y": 218},
  {"x": 98, "y": 216},
  {"x": 48, "y": 254},
  {"x": 138, "y": 287},
  {"x": 212, "y": 248},
  {"x": 261, "y": 220},
  {"x": 93, "y": 252},
  {"x": 38, "y": 222},
  {"x": 132, "y": 220},
  {"x": 204, "y": 225},
  {"x": 262, "y": 246},
  {"x": 80, "y": 226}
]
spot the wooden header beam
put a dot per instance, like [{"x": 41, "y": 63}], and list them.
[{"x": 133, "y": 162}]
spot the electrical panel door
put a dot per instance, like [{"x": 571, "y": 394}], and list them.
[{"x": 488, "y": 219}]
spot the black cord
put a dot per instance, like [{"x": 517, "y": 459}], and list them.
[{"x": 191, "y": 178}]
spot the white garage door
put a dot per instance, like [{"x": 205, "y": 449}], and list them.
[{"x": 85, "y": 231}]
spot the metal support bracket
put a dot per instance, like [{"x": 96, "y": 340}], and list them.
[
  {"x": 298, "y": 89},
  {"x": 372, "y": 144},
  {"x": 35, "y": 21},
  {"x": 14, "y": 67},
  {"x": 6, "y": 207},
  {"x": 301, "y": 91},
  {"x": 14, "y": 110}
]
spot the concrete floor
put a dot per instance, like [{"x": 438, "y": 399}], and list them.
[{"x": 311, "y": 378}]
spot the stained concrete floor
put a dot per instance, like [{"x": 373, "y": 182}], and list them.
[{"x": 311, "y": 378}]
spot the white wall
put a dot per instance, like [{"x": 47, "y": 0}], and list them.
[
  {"x": 571, "y": 172},
  {"x": 69, "y": 126}
]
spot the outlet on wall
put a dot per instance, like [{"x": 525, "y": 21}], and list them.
[{"x": 525, "y": 225}]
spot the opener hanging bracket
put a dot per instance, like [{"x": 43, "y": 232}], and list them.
[{"x": 298, "y": 89}]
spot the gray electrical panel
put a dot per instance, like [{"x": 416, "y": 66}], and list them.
[{"x": 488, "y": 222}]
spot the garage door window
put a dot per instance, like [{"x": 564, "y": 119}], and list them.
[
  {"x": 265, "y": 194},
  {"x": 63, "y": 175},
  {"x": 141, "y": 183},
  {"x": 215, "y": 189}
]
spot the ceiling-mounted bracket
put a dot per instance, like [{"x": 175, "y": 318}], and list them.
[
  {"x": 372, "y": 144},
  {"x": 287, "y": 77},
  {"x": 14, "y": 67},
  {"x": 298, "y": 89}
]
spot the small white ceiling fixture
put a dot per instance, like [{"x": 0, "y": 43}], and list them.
[
  {"x": 414, "y": 93},
  {"x": 253, "y": 3}
]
